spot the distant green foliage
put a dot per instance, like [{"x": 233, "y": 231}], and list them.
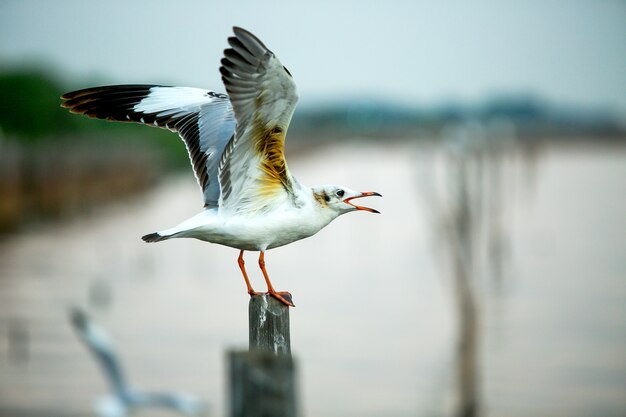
[
  {"x": 29, "y": 108},
  {"x": 30, "y": 111}
]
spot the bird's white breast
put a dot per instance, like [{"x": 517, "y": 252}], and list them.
[{"x": 270, "y": 230}]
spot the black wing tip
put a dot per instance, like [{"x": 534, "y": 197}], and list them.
[
  {"x": 108, "y": 102},
  {"x": 107, "y": 89}
]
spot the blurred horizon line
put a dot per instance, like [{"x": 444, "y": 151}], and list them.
[
  {"x": 315, "y": 103},
  {"x": 24, "y": 85}
]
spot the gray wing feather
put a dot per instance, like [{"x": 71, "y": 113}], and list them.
[{"x": 263, "y": 96}]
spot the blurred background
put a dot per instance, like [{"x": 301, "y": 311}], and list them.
[{"x": 493, "y": 284}]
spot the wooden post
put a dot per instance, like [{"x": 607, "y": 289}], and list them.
[
  {"x": 269, "y": 325},
  {"x": 262, "y": 384},
  {"x": 262, "y": 379}
]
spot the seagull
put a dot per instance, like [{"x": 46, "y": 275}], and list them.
[
  {"x": 236, "y": 144},
  {"x": 125, "y": 399}
]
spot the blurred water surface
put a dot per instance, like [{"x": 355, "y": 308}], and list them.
[{"x": 374, "y": 328}]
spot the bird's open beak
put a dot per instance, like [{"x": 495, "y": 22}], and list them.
[{"x": 365, "y": 194}]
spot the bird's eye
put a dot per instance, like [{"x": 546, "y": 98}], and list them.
[{"x": 340, "y": 193}]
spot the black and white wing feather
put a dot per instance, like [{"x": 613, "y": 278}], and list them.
[{"x": 203, "y": 119}]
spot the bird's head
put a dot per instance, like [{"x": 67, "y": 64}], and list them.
[{"x": 339, "y": 199}]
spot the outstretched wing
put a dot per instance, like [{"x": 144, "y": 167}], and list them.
[
  {"x": 97, "y": 340},
  {"x": 253, "y": 172},
  {"x": 203, "y": 119}
]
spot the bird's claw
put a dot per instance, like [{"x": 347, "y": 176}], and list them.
[{"x": 283, "y": 296}]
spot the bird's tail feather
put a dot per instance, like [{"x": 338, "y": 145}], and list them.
[
  {"x": 155, "y": 237},
  {"x": 192, "y": 227}
]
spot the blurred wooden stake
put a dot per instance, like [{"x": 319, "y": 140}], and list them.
[
  {"x": 262, "y": 384},
  {"x": 262, "y": 380}
]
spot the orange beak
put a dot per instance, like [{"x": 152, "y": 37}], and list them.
[{"x": 365, "y": 194}]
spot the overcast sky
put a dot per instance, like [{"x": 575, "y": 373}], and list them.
[{"x": 416, "y": 53}]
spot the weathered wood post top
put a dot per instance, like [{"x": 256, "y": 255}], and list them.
[{"x": 269, "y": 325}]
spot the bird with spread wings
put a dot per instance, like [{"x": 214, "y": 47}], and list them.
[{"x": 236, "y": 147}]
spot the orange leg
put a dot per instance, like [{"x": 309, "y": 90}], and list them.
[
  {"x": 245, "y": 275},
  {"x": 282, "y": 296}
]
